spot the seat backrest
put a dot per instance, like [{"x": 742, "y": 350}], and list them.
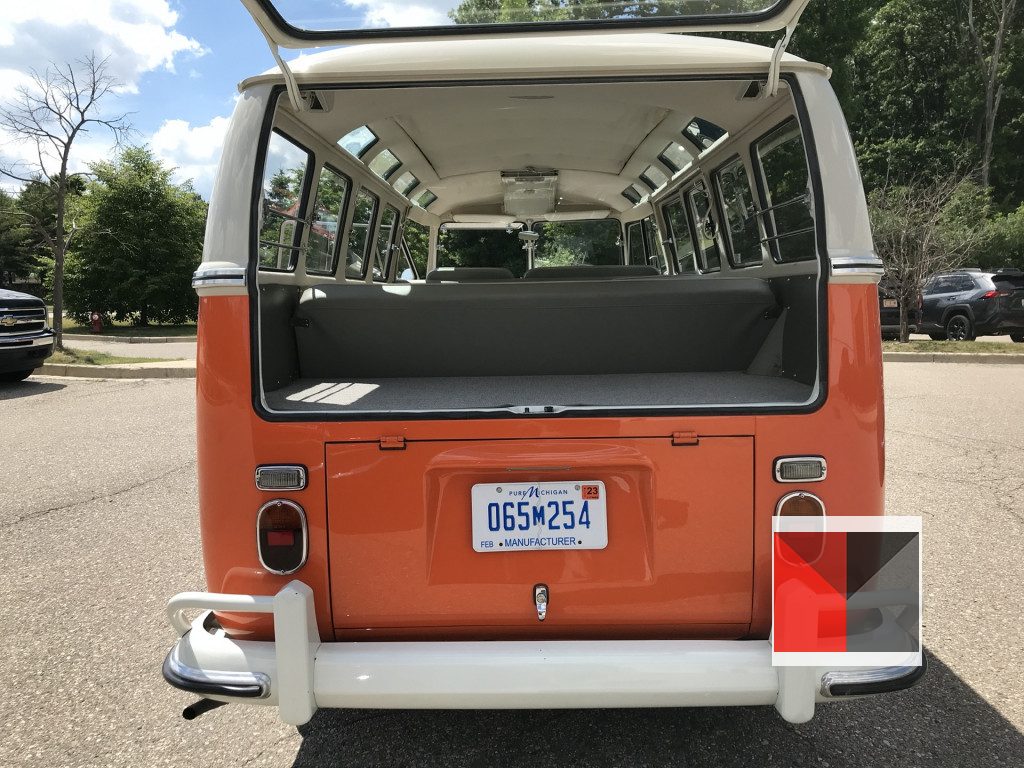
[
  {"x": 591, "y": 272},
  {"x": 468, "y": 274},
  {"x": 510, "y": 328}
]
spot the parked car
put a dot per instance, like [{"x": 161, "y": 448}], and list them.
[
  {"x": 963, "y": 305},
  {"x": 25, "y": 336},
  {"x": 889, "y": 312}
]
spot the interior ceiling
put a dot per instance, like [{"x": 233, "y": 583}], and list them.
[{"x": 600, "y": 137}]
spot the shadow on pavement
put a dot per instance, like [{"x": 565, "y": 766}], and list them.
[
  {"x": 28, "y": 388},
  {"x": 942, "y": 722}
]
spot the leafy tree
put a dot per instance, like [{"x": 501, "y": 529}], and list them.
[
  {"x": 481, "y": 248},
  {"x": 140, "y": 240},
  {"x": 925, "y": 228},
  {"x": 17, "y": 259},
  {"x": 1004, "y": 241}
]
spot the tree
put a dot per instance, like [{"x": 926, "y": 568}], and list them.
[
  {"x": 16, "y": 256},
  {"x": 922, "y": 229},
  {"x": 988, "y": 41},
  {"x": 140, "y": 238},
  {"x": 49, "y": 114}
]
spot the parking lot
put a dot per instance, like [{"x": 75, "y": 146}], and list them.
[{"x": 98, "y": 512}]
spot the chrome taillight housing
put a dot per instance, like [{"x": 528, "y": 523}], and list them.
[
  {"x": 282, "y": 536},
  {"x": 800, "y": 504}
]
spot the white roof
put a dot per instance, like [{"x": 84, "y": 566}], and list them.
[{"x": 578, "y": 55}]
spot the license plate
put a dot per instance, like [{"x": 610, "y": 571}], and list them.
[
  {"x": 519, "y": 517},
  {"x": 890, "y": 303}
]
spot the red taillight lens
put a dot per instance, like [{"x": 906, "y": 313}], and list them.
[
  {"x": 994, "y": 294},
  {"x": 281, "y": 536},
  {"x": 800, "y": 504}
]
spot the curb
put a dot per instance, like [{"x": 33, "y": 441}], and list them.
[
  {"x": 953, "y": 357},
  {"x": 127, "y": 339},
  {"x": 116, "y": 372}
]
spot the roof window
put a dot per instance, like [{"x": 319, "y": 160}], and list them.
[{"x": 358, "y": 141}]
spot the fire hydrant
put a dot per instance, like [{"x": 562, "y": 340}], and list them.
[{"x": 97, "y": 322}]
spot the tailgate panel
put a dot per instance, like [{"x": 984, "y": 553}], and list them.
[{"x": 679, "y": 553}]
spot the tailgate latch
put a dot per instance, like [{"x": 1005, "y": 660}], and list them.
[
  {"x": 392, "y": 443},
  {"x": 540, "y": 599},
  {"x": 685, "y": 438}
]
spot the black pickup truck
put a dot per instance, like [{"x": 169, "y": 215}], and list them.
[{"x": 25, "y": 336}]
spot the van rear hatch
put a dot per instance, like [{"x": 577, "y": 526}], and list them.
[{"x": 406, "y": 562}]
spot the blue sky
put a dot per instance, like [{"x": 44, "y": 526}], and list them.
[{"x": 180, "y": 61}]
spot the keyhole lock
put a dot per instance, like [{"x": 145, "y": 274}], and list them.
[{"x": 540, "y": 599}]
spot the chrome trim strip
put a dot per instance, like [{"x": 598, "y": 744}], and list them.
[
  {"x": 247, "y": 685},
  {"x": 786, "y": 459},
  {"x": 788, "y": 496},
  {"x": 867, "y": 261},
  {"x": 305, "y": 535},
  {"x": 303, "y": 479},
  {"x": 27, "y": 341},
  {"x": 206, "y": 278}
]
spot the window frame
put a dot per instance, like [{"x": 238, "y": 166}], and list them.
[
  {"x": 342, "y": 221},
  {"x": 371, "y": 231},
  {"x": 391, "y": 240},
  {"x": 768, "y": 206},
  {"x": 723, "y": 219},
  {"x": 668, "y": 162},
  {"x": 691, "y": 209},
  {"x": 300, "y": 221},
  {"x": 679, "y": 198},
  {"x": 392, "y": 169}
]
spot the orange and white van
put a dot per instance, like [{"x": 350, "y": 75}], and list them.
[{"x": 513, "y": 340}]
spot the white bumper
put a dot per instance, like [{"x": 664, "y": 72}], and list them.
[{"x": 299, "y": 674}]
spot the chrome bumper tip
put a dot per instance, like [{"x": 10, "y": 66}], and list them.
[
  {"x": 867, "y": 682},
  {"x": 242, "y": 685}
]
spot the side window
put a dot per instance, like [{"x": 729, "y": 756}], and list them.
[
  {"x": 710, "y": 260},
  {"x": 679, "y": 234},
  {"x": 359, "y": 235},
  {"x": 966, "y": 283},
  {"x": 635, "y": 240},
  {"x": 783, "y": 174},
  {"x": 328, "y": 218},
  {"x": 742, "y": 234},
  {"x": 284, "y": 183},
  {"x": 417, "y": 241},
  {"x": 406, "y": 271},
  {"x": 385, "y": 241}
]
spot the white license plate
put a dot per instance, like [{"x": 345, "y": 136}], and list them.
[
  {"x": 517, "y": 517},
  {"x": 890, "y": 303}
]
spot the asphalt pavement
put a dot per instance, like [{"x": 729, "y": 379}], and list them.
[{"x": 99, "y": 528}]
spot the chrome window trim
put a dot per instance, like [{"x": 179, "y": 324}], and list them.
[
  {"x": 305, "y": 535},
  {"x": 785, "y": 459},
  {"x": 278, "y": 467}
]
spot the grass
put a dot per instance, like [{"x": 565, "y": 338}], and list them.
[
  {"x": 124, "y": 329},
  {"x": 971, "y": 347},
  {"x": 86, "y": 357}
]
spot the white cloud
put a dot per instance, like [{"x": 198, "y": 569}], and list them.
[
  {"x": 395, "y": 13},
  {"x": 192, "y": 150},
  {"x": 138, "y": 36}
]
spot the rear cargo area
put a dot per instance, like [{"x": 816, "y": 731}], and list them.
[{"x": 535, "y": 345}]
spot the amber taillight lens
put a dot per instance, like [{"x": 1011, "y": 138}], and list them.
[{"x": 281, "y": 536}]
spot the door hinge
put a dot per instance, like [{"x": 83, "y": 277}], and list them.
[
  {"x": 392, "y": 443},
  {"x": 685, "y": 438}
]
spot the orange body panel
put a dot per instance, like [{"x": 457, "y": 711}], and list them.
[{"x": 847, "y": 430}]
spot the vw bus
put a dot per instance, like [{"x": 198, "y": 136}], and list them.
[{"x": 514, "y": 337}]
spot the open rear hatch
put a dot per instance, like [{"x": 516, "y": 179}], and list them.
[
  {"x": 325, "y": 23},
  {"x": 639, "y": 537}
]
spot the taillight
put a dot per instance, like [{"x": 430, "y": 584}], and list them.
[
  {"x": 800, "y": 504},
  {"x": 994, "y": 294},
  {"x": 281, "y": 536}
]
